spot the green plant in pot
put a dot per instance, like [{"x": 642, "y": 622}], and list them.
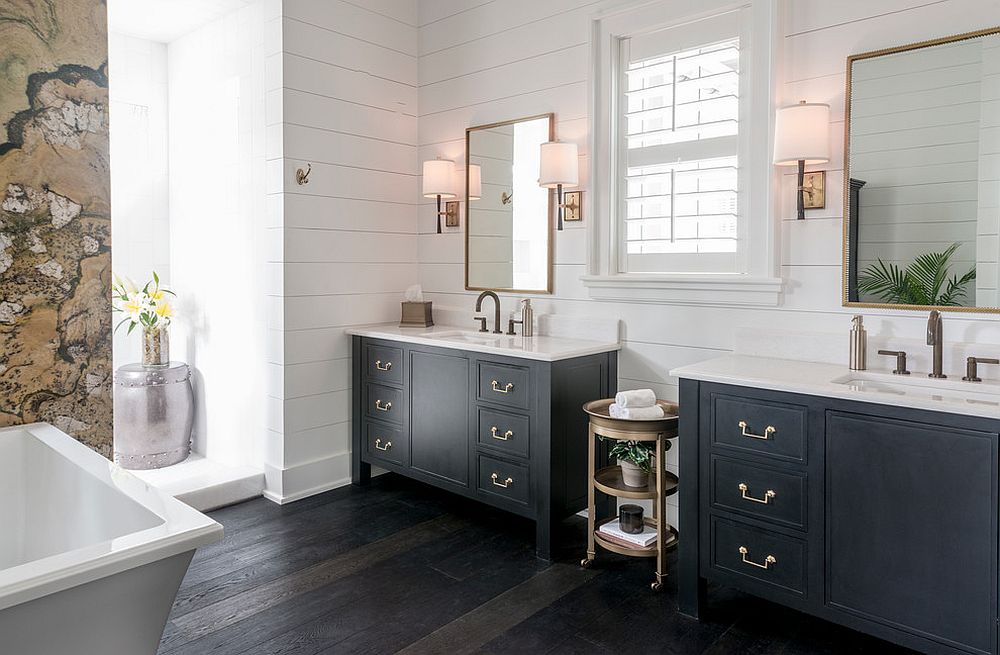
[
  {"x": 923, "y": 282},
  {"x": 636, "y": 459}
]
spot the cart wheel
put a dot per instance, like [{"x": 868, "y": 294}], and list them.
[
  {"x": 656, "y": 586},
  {"x": 585, "y": 563}
]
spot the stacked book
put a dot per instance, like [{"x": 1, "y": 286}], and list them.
[{"x": 613, "y": 532}]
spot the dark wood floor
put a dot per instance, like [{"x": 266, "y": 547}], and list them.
[{"x": 401, "y": 567}]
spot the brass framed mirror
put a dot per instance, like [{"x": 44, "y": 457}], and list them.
[
  {"x": 508, "y": 217},
  {"x": 922, "y": 175}
]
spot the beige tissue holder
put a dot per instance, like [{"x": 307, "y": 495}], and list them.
[{"x": 416, "y": 314}]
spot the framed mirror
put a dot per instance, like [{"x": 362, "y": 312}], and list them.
[
  {"x": 922, "y": 175},
  {"x": 508, "y": 224}
]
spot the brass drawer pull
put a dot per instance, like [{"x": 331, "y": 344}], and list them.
[
  {"x": 506, "y": 483},
  {"x": 769, "y": 431},
  {"x": 506, "y": 388},
  {"x": 379, "y": 366},
  {"x": 768, "y": 561},
  {"x": 382, "y": 408},
  {"x": 386, "y": 447},
  {"x": 506, "y": 435},
  {"x": 768, "y": 495}
]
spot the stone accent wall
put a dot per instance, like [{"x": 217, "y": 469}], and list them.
[{"x": 55, "y": 227}]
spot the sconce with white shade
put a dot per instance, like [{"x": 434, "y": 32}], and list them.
[
  {"x": 801, "y": 137},
  {"x": 559, "y": 166},
  {"x": 439, "y": 182},
  {"x": 475, "y": 182}
]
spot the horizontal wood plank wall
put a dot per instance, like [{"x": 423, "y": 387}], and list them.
[
  {"x": 347, "y": 103},
  {"x": 490, "y": 60}
]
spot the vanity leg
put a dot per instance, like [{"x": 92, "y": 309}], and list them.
[
  {"x": 543, "y": 538},
  {"x": 692, "y": 594},
  {"x": 361, "y": 472}
]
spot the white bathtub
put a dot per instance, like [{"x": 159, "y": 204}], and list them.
[{"x": 90, "y": 556}]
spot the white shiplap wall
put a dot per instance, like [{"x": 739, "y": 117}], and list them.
[
  {"x": 345, "y": 102},
  {"x": 489, "y": 60}
]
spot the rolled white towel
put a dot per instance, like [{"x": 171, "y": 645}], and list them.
[
  {"x": 635, "y": 398},
  {"x": 635, "y": 413}
]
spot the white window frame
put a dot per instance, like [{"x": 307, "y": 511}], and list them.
[{"x": 756, "y": 280}]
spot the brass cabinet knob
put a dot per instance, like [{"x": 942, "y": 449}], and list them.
[
  {"x": 506, "y": 388},
  {"x": 506, "y": 483},
  {"x": 502, "y": 437},
  {"x": 768, "y": 561},
  {"x": 768, "y": 495},
  {"x": 769, "y": 431}
]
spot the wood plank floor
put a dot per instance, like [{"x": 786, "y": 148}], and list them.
[{"x": 401, "y": 567}]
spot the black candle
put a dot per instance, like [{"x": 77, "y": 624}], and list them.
[{"x": 630, "y": 518}]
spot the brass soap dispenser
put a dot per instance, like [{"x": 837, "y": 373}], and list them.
[{"x": 859, "y": 344}]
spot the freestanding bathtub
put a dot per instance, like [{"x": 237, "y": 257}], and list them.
[{"x": 90, "y": 556}]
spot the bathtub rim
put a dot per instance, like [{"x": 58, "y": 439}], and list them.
[{"x": 182, "y": 529}]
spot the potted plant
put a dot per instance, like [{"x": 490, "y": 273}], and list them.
[
  {"x": 148, "y": 307},
  {"x": 923, "y": 282},
  {"x": 636, "y": 459}
]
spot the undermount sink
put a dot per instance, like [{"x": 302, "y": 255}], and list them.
[
  {"x": 481, "y": 338},
  {"x": 918, "y": 385}
]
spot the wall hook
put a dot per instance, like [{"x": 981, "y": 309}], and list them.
[
  {"x": 506, "y": 198},
  {"x": 302, "y": 176}
]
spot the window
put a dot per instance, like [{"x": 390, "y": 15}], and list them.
[
  {"x": 679, "y": 125},
  {"x": 682, "y": 104}
]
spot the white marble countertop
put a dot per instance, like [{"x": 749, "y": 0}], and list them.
[
  {"x": 541, "y": 348},
  {"x": 837, "y": 381}
]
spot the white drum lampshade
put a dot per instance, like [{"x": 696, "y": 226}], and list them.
[
  {"x": 559, "y": 165},
  {"x": 475, "y": 182},
  {"x": 802, "y": 133},
  {"x": 439, "y": 178}
]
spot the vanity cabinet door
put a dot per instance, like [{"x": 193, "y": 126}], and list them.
[
  {"x": 439, "y": 422},
  {"x": 911, "y": 526}
]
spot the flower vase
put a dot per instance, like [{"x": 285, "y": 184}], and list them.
[{"x": 155, "y": 347}]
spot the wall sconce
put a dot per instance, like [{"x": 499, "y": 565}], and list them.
[
  {"x": 801, "y": 136},
  {"x": 439, "y": 182},
  {"x": 475, "y": 182},
  {"x": 559, "y": 166}
]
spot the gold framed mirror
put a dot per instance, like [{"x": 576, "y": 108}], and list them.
[
  {"x": 922, "y": 175},
  {"x": 508, "y": 223}
]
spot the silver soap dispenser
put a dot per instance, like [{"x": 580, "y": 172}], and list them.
[
  {"x": 527, "y": 318},
  {"x": 859, "y": 344}
]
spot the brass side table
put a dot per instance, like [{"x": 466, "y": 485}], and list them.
[{"x": 608, "y": 480}]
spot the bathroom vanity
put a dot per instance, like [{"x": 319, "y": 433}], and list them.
[
  {"x": 491, "y": 417},
  {"x": 864, "y": 498}
]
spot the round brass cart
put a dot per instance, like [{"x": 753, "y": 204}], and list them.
[{"x": 608, "y": 480}]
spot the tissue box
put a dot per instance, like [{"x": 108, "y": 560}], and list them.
[{"x": 416, "y": 314}]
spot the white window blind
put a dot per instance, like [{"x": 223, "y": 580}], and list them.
[{"x": 678, "y": 126}]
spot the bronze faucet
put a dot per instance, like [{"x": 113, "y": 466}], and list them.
[
  {"x": 935, "y": 339},
  {"x": 496, "y": 311}
]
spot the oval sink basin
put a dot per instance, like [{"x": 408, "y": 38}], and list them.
[
  {"x": 920, "y": 386},
  {"x": 482, "y": 338}
]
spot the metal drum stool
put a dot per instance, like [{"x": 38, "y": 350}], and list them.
[
  {"x": 154, "y": 412},
  {"x": 608, "y": 480}
]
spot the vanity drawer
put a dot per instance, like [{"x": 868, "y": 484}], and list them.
[
  {"x": 504, "y": 479},
  {"x": 384, "y": 363},
  {"x": 385, "y": 442},
  {"x": 758, "y": 426},
  {"x": 385, "y": 403},
  {"x": 504, "y": 384},
  {"x": 504, "y": 431},
  {"x": 759, "y": 492},
  {"x": 775, "y": 559}
]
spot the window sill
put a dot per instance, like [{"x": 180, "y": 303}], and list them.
[{"x": 686, "y": 289}]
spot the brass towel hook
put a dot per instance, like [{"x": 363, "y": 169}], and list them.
[{"x": 302, "y": 176}]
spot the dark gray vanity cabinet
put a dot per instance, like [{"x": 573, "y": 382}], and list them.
[
  {"x": 878, "y": 517},
  {"x": 506, "y": 431}
]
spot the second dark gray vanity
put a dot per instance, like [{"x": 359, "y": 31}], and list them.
[
  {"x": 850, "y": 500},
  {"x": 447, "y": 408}
]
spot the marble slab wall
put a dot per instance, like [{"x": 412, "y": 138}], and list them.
[{"x": 55, "y": 227}]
